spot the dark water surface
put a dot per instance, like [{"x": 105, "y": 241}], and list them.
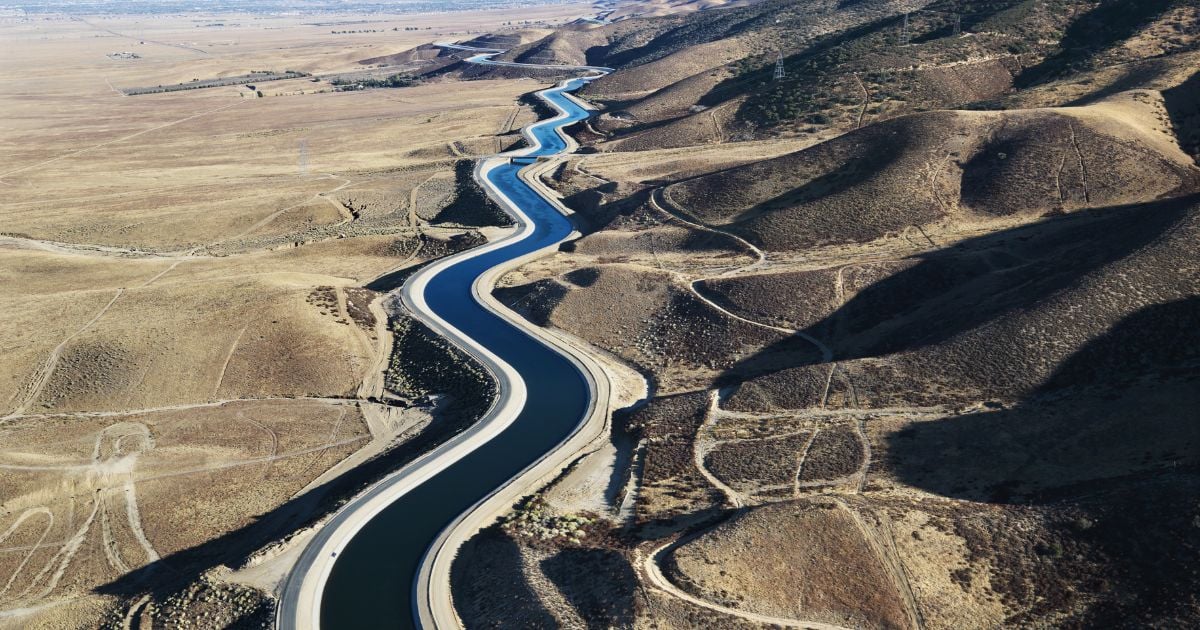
[{"x": 372, "y": 582}]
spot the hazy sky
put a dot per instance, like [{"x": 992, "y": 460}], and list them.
[{"x": 254, "y": 6}]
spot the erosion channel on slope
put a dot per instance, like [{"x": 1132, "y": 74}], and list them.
[{"x": 383, "y": 560}]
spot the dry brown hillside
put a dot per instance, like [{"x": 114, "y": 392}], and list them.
[
  {"x": 945, "y": 169},
  {"x": 199, "y": 357},
  {"x": 639, "y": 81},
  {"x": 915, "y": 328}
]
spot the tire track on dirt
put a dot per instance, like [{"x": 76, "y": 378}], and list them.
[
  {"x": 118, "y": 140},
  {"x": 228, "y": 357},
  {"x": 888, "y": 558},
  {"x": 826, "y": 353},
  {"x": 42, "y": 377},
  {"x": 26, "y": 515},
  {"x": 658, "y": 581},
  {"x": 275, "y": 215},
  {"x": 699, "y": 452}
]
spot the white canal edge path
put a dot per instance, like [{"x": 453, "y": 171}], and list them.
[{"x": 300, "y": 601}]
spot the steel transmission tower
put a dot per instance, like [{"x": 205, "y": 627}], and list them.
[
  {"x": 779, "y": 71},
  {"x": 303, "y": 157},
  {"x": 904, "y": 32}
]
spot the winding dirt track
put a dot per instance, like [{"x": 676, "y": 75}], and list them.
[
  {"x": 651, "y": 569},
  {"x": 34, "y": 389},
  {"x": 660, "y": 204}
]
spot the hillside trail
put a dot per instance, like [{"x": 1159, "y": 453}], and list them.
[
  {"x": 178, "y": 407},
  {"x": 700, "y": 450},
  {"x": 324, "y": 195},
  {"x": 651, "y": 568},
  {"x": 140, "y": 39},
  {"x": 108, "y": 478},
  {"x": 660, "y": 204},
  {"x": 884, "y": 550}
]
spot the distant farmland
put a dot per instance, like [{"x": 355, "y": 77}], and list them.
[{"x": 253, "y": 77}]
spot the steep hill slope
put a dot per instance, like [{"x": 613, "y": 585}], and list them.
[
  {"x": 918, "y": 320},
  {"x": 846, "y": 64},
  {"x": 945, "y": 168}
]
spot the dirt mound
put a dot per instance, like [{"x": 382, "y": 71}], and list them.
[
  {"x": 645, "y": 317},
  {"x": 505, "y": 40},
  {"x": 424, "y": 52},
  {"x": 811, "y": 560},
  {"x": 574, "y": 46}
]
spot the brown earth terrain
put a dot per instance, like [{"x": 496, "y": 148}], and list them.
[
  {"x": 918, "y": 323},
  {"x": 906, "y": 336},
  {"x": 200, "y": 361}
]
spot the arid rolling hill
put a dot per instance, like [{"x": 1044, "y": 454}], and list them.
[
  {"x": 917, "y": 323},
  {"x": 947, "y": 171},
  {"x": 899, "y": 301},
  {"x": 197, "y": 355}
]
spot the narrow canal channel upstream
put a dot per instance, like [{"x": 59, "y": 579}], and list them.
[{"x": 373, "y": 578}]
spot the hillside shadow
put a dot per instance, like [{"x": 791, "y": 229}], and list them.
[
  {"x": 599, "y": 583},
  {"x": 838, "y": 178},
  {"x": 1089, "y": 420},
  {"x": 1109, "y": 448},
  {"x": 1132, "y": 77},
  {"x": 1183, "y": 108},
  {"x": 471, "y": 206},
  {"x": 234, "y": 548},
  {"x": 965, "y": 286},
  {"x": 488, "y": 576},
  {"x": 1106, "y": 25}
]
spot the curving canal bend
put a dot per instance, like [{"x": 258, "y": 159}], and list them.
[{"x": 361, "y": 569}]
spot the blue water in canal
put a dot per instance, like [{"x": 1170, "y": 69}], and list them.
[{"x": 372, "y": 582}]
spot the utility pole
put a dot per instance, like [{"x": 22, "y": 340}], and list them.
[
  {"x": 779, "y": 71},
  {"x": 303, "y": 157}
]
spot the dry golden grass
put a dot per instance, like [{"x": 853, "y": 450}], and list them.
[
  {"x": 806, "y": 560},
  {"x": 92, "y": 188},
  {"x": 673, "y": 164},
  {"x": 232, "y": 171},
  {"x": 947, "y": 171},
  {"x": 639, "y": 81},
  {"x": 89, "y": 498},
  {"x": 162, "y": 254}
]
